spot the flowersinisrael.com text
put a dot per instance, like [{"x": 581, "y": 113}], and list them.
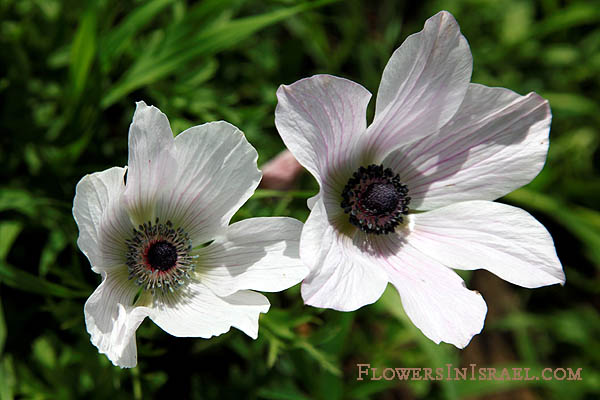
[{"x": 472, "y": 372}]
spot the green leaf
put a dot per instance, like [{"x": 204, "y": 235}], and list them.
[
  {"x": 322, "y": 358},
  {"x": 18, "y": 200},
  {"x": 370, "y": 388},
  {"x": 274, "y": 348},
  {"x": 572, "y": 103},
  {"x": 9, "y": 230},
  {"x": 22, "y": 280},
  {"x": 3, "y": 329},
  {"x": 282, "y": 391},
  {"x": 117, "y": 40},
  {"x": 168, "y": 58},
  {"x": 282, "y": 324},
  {"x": 35, "y": 207},
  {"x": 8, "y": 379},
  {"x": 57, "y": 241},
  {"x": 297, "y": 194},
  {"x": 517, "y": 23},
  {"x": 82, "y": 53},
  {"x": 44, "y": 353},
  {"x": 572, "y": 16}
]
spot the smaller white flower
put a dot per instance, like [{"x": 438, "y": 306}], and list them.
[
  {"x": 145, "y": 229},
  {"x": 409, "y": 197}
]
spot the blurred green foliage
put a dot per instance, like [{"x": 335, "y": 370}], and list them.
[{"x": 70, "y": 72}]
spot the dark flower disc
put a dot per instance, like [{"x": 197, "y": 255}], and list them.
[
  {"x": 162, "y": 255},
  {"x": 159, "y": 256},
  {"x": 375, "y": 199}
]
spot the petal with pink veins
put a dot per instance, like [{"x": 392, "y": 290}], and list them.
[
  {"x": 496, "y": 143},
  {"x": 342, "y": 276},
  {"x": 434, "y": 297},
  {"x": 502, "y": 239},
  {"x": 320, "y": 120},
  {"x": 422, "y": 86}
]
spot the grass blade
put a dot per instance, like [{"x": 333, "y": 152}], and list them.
[{"x": 218, "y": 37}]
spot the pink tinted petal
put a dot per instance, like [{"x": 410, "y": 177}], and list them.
[
  {"x": 151, "y": 163},
  {"x": 422, "y": 85},
  {"x": 112, "y": 319},
  {"x": 256, "y": 253},
  {"x": 103, "y": 222},
  {"x": 320, "y": 119},
  {"x": 216, "y": 173},
  {"x": 197, "y": 312},
  {"x": 341, "y": 275},
  {"x": 505, "y": 240},
  {"x": 496, "y": 143},
  {"x": 434, "y": 297}
]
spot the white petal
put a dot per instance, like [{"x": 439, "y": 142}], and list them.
[
  {"x": 503, "y": 239},
  {"x": 151, "y": 163},
  {"x": 496, "y": 143},
  {"x": 256, "y": 253},
  {"x": 434, "y": 297},
  {"x": 310, "y": 202},
  {"x": 197, "y": 312},
  {"x": 111, "y": 319},
  {"x": 422, "y": 85},
  {"x": 342, "y": 275},
  {"x": 320, "y": 119},
  {"x": 102, "y": 220},
  {"x": 216, "y": 174}
]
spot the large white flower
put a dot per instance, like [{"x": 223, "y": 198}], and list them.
[
  {"x": 145, "y": 228},
  {"x": 409, "y": 197}
]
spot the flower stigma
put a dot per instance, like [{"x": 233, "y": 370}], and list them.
[
  {"x": 375, "y": 199},
  {"x": 158, "y": 256},
  {"x": 162, "y": 256}
]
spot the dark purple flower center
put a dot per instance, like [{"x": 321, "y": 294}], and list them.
[
  {"x": 380, "y": 198},
  {"x": 375, "y": 199},
  {"x": 162, "y": 256}
]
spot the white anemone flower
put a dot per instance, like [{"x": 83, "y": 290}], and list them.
[
  {"x": 158, "y": 232},
  {"x": 410, "y": 197}
]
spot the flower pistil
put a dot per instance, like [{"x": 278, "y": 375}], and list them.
[{"x": 375, "y": 199}]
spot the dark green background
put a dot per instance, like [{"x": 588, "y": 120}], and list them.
[{"x": 70, "y": 73}]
